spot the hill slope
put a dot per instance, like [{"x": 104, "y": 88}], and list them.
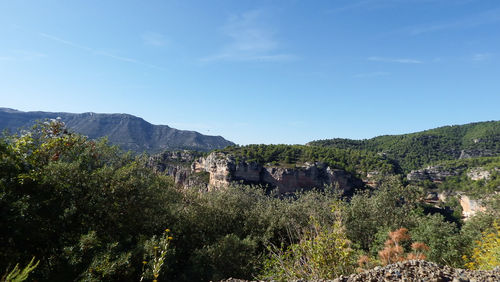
[
  {"x": 412, "y": 151},
  {"x": 127, "y": 131}
]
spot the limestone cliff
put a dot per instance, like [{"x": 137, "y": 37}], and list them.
[
  {"x": 177, "y": 164},
  {"x": 439, "y": 173},
  {"x": 470, "y": 206},
  {"x": 225, "y": 169},
  {"x": 433, "y": 173},
  {"x": 468, "y": 174}
]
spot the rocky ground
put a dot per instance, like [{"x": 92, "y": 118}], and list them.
[{"x": 417, "y": 270}]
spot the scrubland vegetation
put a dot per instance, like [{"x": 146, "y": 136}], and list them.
[
  {"x": 89, "y": 212},
  {"x": 414, "y": 150}
]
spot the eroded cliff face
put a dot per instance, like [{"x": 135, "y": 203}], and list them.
[
  {"x": 470, "y": 206},
  {"x": 433, "y": 173},
  {"x": 479, "y": 173},
  {"x": 225, "y": 169},
  {"x": 437, "y": 174},
  {"x": 178, "y": 165}
]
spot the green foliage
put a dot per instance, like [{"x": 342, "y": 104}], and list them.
[
  {"x": 228, "y": 256},
  {"x": 371, "y": 215},
  {"x": 158, "y": 252},
  {"x": 323, "y": 252},
  {"x": 462, "y": 182},
  {"x": 227, "y": 231},
  {"x": 486, "y": 253},
  {"x": 446, "y": 243},
  {"x": 413, "y": 151},
  {"x": 354, "y": 161},
  {"x": 90, "y": 212},
  {"x": 371, "y": 212},
  {"x": 19, "y": 275},
  {"x": 79, "y": 205}
]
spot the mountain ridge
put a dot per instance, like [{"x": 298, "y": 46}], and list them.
[{"x": 128, "y": 131}]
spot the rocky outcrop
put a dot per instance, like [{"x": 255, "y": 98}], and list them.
[
  {"x": 374, "y": 178},
  {"x": 419, "y": 270},
  {"x": 479, "y": 173},
  {"x": 433, "y": 173},
  {"x": 475, "y": 153},
  {"x": 470, "y": 206},
  {"x": 224, "y": 169},
  {"x": 177, "y": 164}
]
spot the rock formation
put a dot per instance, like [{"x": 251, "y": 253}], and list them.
[
  {"x": 225, "y": 169},
  {"x": 219, "y": 170},
  {"x": 470, "y": 206},
  {"x": 475, "y": 153},
  {"x": 479, "y": 173},
  {"x": 433, "y": 173},
  {"x": 178, "y": 165}
]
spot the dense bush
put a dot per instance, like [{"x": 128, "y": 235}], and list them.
[
  {"x": 486, "y": 252},
  {"x": 371, "y": 214},
  {"x": 80, "y": 206},
  {"x": 90, "y": 212},
  {"x": 322, "y": 252}
]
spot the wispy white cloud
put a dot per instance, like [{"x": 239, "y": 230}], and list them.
[
  {"x": 22, "y": 55},
  {"x": 94, "y": 51},
  {"x": 297, "y": 123},
  {"x": 119, "y": 58},
  {"x": 395, "y": 60},
  {"x": 484, "y": 18},
  {"x": 154, "y": 39},
  {"x": 372, "y": 74},
  {"x": 481, "y": 57},
  {"x": 66, "y": 42},
  {"x": 251, "y": 39}
]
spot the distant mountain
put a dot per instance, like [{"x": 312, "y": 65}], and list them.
[
  {"x": 127, "y": 131},
  {"x": 414, "y": 150}
]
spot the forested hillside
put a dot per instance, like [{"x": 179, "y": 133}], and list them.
[
  {"x": 414, "y": 150},
  {"x": 84, "y": 210},
  {"x": 478, "y": 177}
]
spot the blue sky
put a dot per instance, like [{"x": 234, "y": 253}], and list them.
[{"x": 257, "y": 71}]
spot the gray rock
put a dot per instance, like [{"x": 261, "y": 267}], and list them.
[{"x": 224, "y": 169}]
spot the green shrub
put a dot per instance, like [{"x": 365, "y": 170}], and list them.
[
  {"x": 323, "y": 252},
  {"x": 19, "y": 275},
  {"x": 486, "y": 253}
]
